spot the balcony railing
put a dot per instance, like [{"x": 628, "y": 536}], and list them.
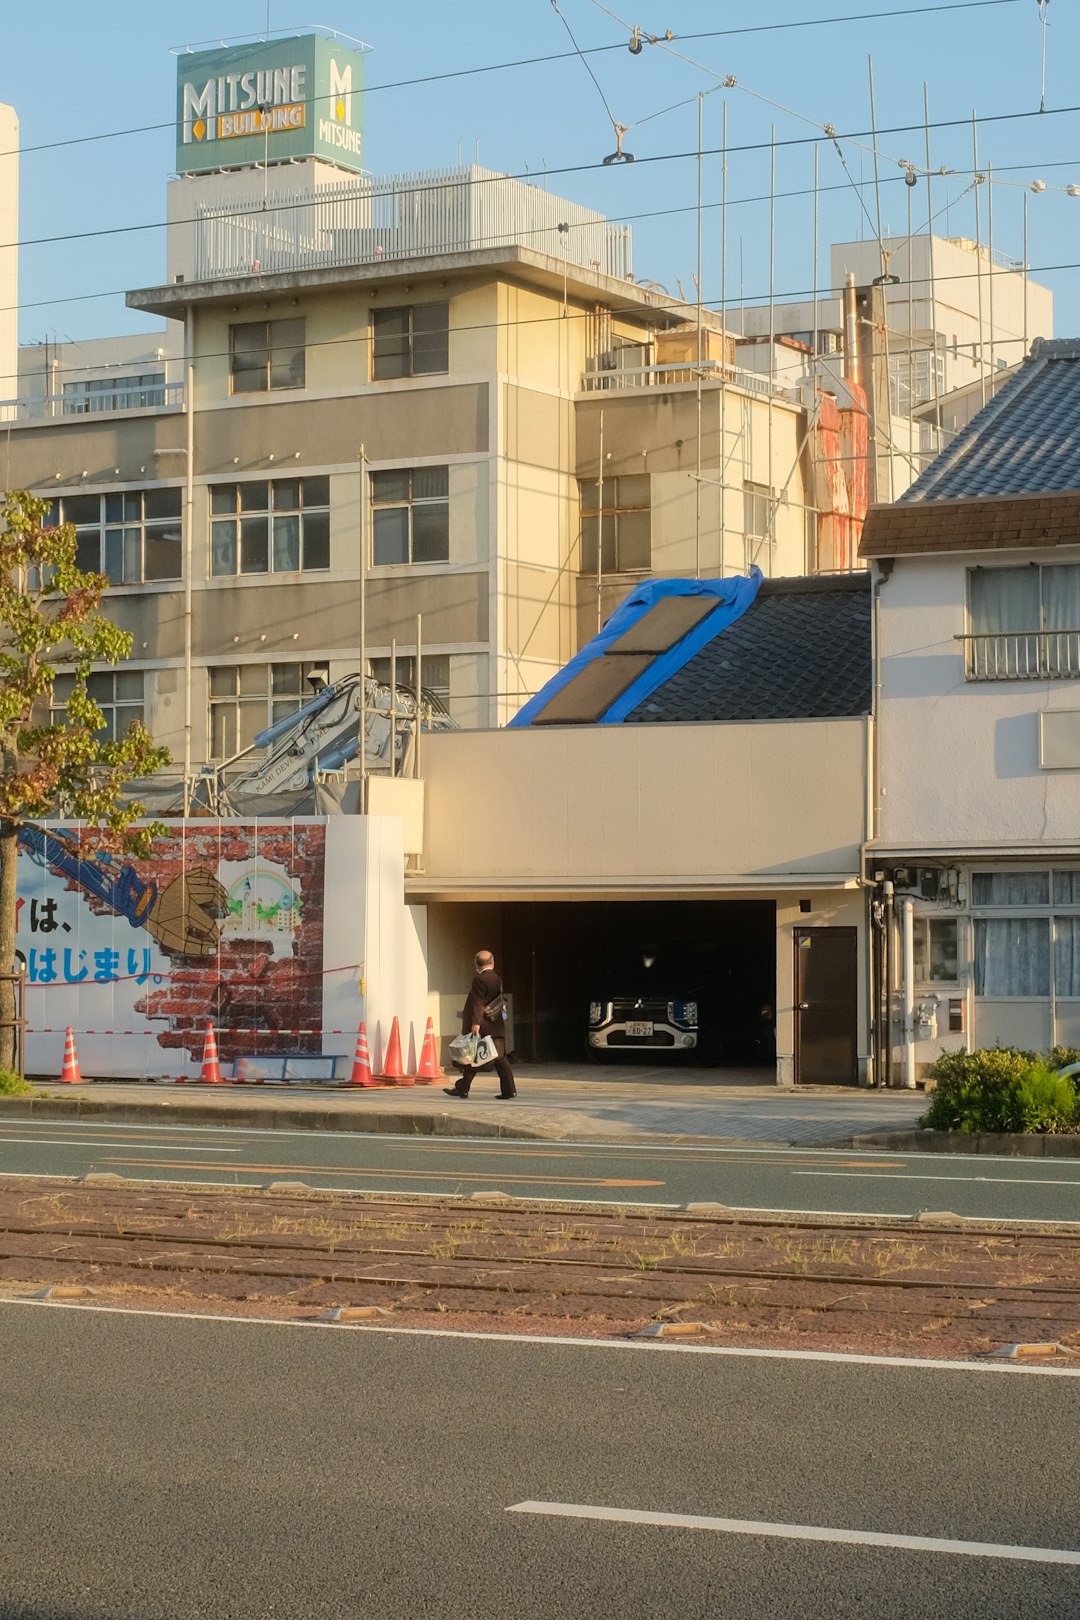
[
  {"x": 1025, "y": 655},
  {"x": 42, "y": 407},
  {"x": 602, "y": 380}
]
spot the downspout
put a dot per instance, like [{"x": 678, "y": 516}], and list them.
[
  {"x": 887, "y": 889},
  {"x": 907, "y": 924},
  {"x": 189, "y": 506}
]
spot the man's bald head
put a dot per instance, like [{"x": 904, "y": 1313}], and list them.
[{"x": 484, "y": 959}]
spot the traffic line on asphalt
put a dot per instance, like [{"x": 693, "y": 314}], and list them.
[
  {"x": 801, "y": 1532},
  {"x": 904, "y": 1175},
  {"x": 99, "y": 1141},
  {"x": 371, "y": 1170},
  {"x": 648, "y": 1347}
]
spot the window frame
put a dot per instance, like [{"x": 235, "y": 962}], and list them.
[
  {"x": 242, "y": 513},
  {"x": 270, "y": 368},
  {"x": 595, "y": 510},
  {"x": 147, "y": 529},
  {"x": 111, "y": 705},
  {"x": 411, "y": 343},
  {"x": 410, "y": 504},
  {"x": 274, "y": 708},
  {"x": 1037, "y": 652}
]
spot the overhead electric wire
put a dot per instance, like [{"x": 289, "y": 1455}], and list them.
[
  {"x": 793, "y": 142},
  {"x": 661, "y": 304},
  {"x": 903, "y": 12}
]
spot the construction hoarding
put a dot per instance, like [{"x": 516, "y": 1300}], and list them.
[{"x": 284, "y": 934}]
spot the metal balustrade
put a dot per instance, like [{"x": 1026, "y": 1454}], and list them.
[
  {"x": 609, "y": 379},
  {"x": 406, "y": 216},
  {"x": 41, "y": 407},
  {"x": 1025, "y": 655}
]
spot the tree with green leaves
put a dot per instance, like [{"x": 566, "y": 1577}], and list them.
[{"x": 51, "y": 624}]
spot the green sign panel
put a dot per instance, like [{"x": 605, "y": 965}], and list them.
[{"x": 269, "y": 101}]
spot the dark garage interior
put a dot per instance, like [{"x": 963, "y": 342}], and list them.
[{"x": 557, "y": 956}]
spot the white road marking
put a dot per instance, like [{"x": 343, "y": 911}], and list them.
[
  {"x": 903, "y": 1175},
  {"x": 802, "y": 1532},
  {"x": 650, "y": 1347},
  {"x": 150, "y": 1147}
]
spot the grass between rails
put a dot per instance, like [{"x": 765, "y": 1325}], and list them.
[{"x": 596, "y": 1273}]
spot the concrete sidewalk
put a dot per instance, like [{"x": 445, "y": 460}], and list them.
[{"x": 564, "y": 1103}]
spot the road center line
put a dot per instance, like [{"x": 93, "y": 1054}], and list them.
[
  {"x": 801, "y": 1532},
  {"x": 103, "y": 1141},
  {"x": 992, "y": 1181}
]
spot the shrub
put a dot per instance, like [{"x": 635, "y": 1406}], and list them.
[
  {"x": 13, "y": 1085},
  {"x": 1000, "y": 1090}
]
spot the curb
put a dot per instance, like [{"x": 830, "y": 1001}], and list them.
[
  {"x": 330, "y": 1119},
  {"x": 1004, "y": 1145}
]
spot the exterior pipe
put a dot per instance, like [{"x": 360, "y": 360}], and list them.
[
  {"x": 887, "y": 1032},
  {"x": 907, "y": 925},
  {"x": 851, "y": 330}
]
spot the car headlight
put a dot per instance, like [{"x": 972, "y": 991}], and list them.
[
  {"x": 690, "y": 1012},
  {"x": 596, "y": 1012},
  {"x": 683, "y": 1012}
]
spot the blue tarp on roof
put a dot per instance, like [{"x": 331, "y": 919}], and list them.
[{"x": 733, "y": 596}]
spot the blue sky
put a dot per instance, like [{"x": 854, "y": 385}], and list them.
[{"x": 76, "y": 71}]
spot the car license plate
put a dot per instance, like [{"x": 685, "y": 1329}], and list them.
[{"x": 639, "y": 1028}]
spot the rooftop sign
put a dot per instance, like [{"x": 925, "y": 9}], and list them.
[{"x": 269, "y": 101}]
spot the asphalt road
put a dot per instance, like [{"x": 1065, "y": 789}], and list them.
[
  {"x": 797, "y": 1179},
  {"x": 161, "y": 1468}
]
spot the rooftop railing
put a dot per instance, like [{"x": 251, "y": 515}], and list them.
[
  {"x": 42, "y": 407},
  {"x": 407, "y": 216},
  {"x": 601, "y": 379}
]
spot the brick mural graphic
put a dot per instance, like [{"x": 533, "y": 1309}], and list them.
[{"x": 224, "y": 922}]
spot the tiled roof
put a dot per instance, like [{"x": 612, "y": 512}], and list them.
[
  {"x": 1007, "y": 523},
  {"x": 1025, "y": 442},
  {"x": 801, "y": 651}
]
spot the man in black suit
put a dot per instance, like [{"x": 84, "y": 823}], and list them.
[{"x": 484, "y": 1016}]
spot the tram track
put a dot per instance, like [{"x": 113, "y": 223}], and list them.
[{"x": 594, "y": 1269}]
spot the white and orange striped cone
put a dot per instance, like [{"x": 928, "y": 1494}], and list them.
[
  {"x": 70, "y": 1074},
  {"x": 211, "y": 1069},
  {"x": 361, "y": 1063},
  {"x": 428, "y": 1070}
]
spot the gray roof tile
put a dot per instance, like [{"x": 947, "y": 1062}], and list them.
[
  {"x": 1025, "y": 442},
  {"x": 800, "y": 652}
]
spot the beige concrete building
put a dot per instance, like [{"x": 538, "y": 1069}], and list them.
[
  {"x": 368, "y": 411},
  {"x": 9, "y": 259}
]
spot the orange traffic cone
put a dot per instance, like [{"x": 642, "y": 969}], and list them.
[
  {"x": 361, "y": 1063},
  {"x": 429, "y": 1070},
  {"x": 211, "y": 1070},
  {"x": 69, "y": 1074},
  {"x": 393, "y": 1067}
]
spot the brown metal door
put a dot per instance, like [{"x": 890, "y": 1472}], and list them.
[{"x": 826, "y": 1005}]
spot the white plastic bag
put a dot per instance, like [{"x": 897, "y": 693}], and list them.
[{"x": 472, "y": 1051}]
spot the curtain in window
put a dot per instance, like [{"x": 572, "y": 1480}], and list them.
[
  {"x": 1012, "y": 956},
  {"x": 1067, "y": 956},
  {"x": 1003, "y": 602},
  {"x": 1061, "y": 615},
  {"x": 1010, "y": 889}
]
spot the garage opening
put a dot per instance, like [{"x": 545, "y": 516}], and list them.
[{"x": 560, "y": 957}]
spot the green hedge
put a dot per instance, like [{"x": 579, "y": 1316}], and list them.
[{"x": 1001, "y": 1089}]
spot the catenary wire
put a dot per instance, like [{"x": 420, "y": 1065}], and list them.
[
  {"x": 789, "y": 143},
  {"x": 905, "y": 13}
]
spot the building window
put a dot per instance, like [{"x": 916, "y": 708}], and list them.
[
  {"x": 1024, "y": 623},
  {"x": 936, "y": 954},
  {"x": 143, "y": 391},
  {"x": 759, "y": 524},
  {"x": 434, "y": 673},
  {"x": 133, "y": 536},
  {"x": 624, "y": 520},
  {"x": 264, "y": 355},
  {"x": 118, "y": 693},
  {"x": 270, "y": 528},
  {"x": 410, "y": 516},
  {"x": 247, "y": 698},
  {"x": 413, "y": 341}
]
